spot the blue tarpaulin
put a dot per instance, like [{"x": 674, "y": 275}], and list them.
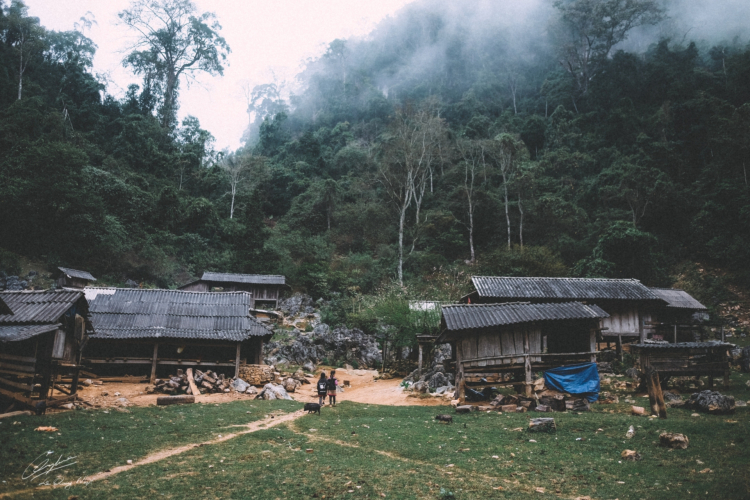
[{"x": 580, "y": 379}]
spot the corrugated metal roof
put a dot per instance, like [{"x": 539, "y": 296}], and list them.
[
  {"x": 502, "y": 287},
  {"x": 31, "y": 306},
  {"x": 136, "y": 313},
  {"x": 678, "y": 298},
  {"x": 14, "y": 333},
  {"x": 254, "y": 279},
  {"x": 681, "y": 345},
  {"x": 75, "y": 273},
  {"x": 468, "y": 316}
]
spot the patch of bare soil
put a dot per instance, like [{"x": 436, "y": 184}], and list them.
[
  {"x": 364, "y": 388},
  {"x": 103, "y": 396}
]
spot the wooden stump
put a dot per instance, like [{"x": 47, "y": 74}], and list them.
[{"x": 174, "y": 400}]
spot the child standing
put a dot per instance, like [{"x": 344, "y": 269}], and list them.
[
  {"x": 322, "y": 387},
  {"x": 332, "y": 383}
]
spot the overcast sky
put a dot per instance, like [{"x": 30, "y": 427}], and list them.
[{"x": 264, "y": 35}]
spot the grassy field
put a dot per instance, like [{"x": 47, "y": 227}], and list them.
[{"x": 362, "y": 451}]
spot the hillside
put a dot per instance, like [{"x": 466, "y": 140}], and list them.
[{"x": 448, "y": 142}]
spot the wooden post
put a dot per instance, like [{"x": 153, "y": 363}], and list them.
[
  {"x": 527, "y": 363},
  {"x": 655, "y": 395},
  {"x": 722, "y": 333},
  {"x": 619, "y": 348},
  {"x": 420, "y": 361},
  {"x": 675, "y": 333},
  {"x": 593, "y": 345},
  {"x": 259, "y": 354},
  {"x": 460, "y": 382},
  {"x": 153, "y": 364},
  {"x": 641, "y": 330},
  {"x": 237, "y": 362},
  {"x": 191, "y": 380}
]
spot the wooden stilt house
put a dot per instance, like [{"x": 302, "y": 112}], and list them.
[
  {"x": 73, "y": 278},
  {"x": 42, "y": 335},
  {"x": 676, "y": 321},
  {"x": 265, "y": 288},
  {"x": 629, "y": 304},
  {"x": 496, "y": 344},
  {"x": 174, "y": 328}
]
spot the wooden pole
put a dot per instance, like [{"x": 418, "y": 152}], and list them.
[
  {"x": 655, "y": 394},
  {"x": 619, "y": 348},
  {"x": 420, "y": 361},
  {"x": 675, "y": 333},
  {"x": 527, "y": 364},
  {"x": 722, "y": 333},
  {"x": 153, "y": 364},
  {"x": 237, "y": 361},
  {"x": 641, "y": 330}
]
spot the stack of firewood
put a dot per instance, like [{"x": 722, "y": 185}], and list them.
[{"x": 205, "y": 382}]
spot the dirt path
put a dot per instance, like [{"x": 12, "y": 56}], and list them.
[
  {"x": 267, "y": 423},
  {"x": 365, "y": 389}
]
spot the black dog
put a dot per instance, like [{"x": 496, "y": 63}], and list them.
[
  {"x": 312, "y": 408},
  {"x": 448, "y": 419}
]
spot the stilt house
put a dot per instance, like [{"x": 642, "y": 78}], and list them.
[
  {"x": 174, "y": 328},
  {"x": 629, "y": 304},
  {"x": 73, "y": 278},
  {"x": 265, "y": 288},
  {"x": 42, "y": 334},
  {"x": 493, "y": 344},
  {"x": 676, "y": 322}
]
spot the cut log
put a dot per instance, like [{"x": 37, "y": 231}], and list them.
[
  {"x": 464, "y": 409},
  {"x": 208, "y": 378},
  {"x": 174, "y": 400},
  {"x": 508, "y": 408},
  {"x": 191, "y": 381},
  {"x": 16, "y": 414},
  {"x": 542, "y": 425},
  {"x": 543, "y": 408}
]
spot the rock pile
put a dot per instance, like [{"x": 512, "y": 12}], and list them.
[
  {"x": 299, "y": 312},
  {"x": 435, "y": 380},
  {"x": 273, "y": 391},
  {"x": 12, "y": 283},
  {"x": 309, "y": 348},
  {"x": 257, "y": 374},
  {"x": 711, "y": 402}
]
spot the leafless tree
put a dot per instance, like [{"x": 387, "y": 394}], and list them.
[
  {"x": 410, "y": 153},
  {"x": 244, "y": 171}
]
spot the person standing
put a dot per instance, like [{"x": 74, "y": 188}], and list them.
[
  {"x": 332, "y": 384},
  {"x": 322, "y": 388}
]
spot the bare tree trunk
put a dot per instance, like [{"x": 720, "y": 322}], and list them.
[
  {"x": 471, "y": 231},
  {"x": 507, "y": 214},
  {"x": 520, "y": 226},
  {"x": 401, "y": 223},
  {"x": 231, "y": 208},
  {"x": 20, "y": 75}
]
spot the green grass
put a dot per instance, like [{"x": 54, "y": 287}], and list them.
[{"x": 397, "y": 451}]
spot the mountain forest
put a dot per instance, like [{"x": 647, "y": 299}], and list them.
[{"x": 576, "y": 139}]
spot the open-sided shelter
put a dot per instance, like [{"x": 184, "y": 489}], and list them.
[
  {"x": 629, "y": 303},
  {"x": 676, "y": 320},
  {"x": 174, "y": 327},
  {"x": 42, "y": 334},
  {"x": 265, "y": 288},
  {"x": 496, "y": 343}
]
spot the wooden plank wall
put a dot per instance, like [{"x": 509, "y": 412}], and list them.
[{"x": 488, "y": 343}]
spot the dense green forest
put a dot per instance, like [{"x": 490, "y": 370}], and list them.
[{"x": 434, "y": 148}]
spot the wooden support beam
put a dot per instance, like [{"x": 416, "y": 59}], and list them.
[
  {"x": 24, "y": 387},
  {"x": 619, "y": 348},
  {"x": 655, "y": 395},
  {"x": 420, "y": 362},
  {"x": 152, "y": 380},
  {"x": 237, "y": 361},
  {"x": 675, "y": 334},
  {"x": 17, "y": 397},
  {"x": 62, "y": 389}
]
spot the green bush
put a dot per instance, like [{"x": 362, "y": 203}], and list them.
[{"x": 10, "y": 263}]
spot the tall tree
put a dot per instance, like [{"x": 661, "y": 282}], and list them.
[
  {"x": 507, "y": 151},
  {"x": 24, "y": 35},
  {"x": 412, "y": 149},
  {"x": 173, "y": 43},
  {"x": 475, "y": 172},
  {"x": 588, "y": 29},
  {"x": 244, "y": 171}
]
